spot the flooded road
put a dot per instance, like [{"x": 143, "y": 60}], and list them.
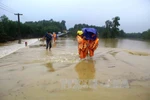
[
  {"x": 118, "y": 71},
  {"x": 12, "y": 46}
]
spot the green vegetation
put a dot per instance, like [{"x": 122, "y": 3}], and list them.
[
  {"x": 110, "y": 30},
  {"x": 9, "y": 29},
  {"x": 73, "y": 31},
  {"x": 143, "y": 35}
]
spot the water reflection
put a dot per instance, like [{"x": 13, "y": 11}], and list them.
[
  {"x": 85, "y": 70},
  {"x": 48, "y": 52},
  {"x": 50, "y": 67},
  {"x": 54, "y": 45},
  {"x": 113, "y": 43}
]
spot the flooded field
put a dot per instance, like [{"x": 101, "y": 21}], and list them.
[{"x": 118, "y": 71}]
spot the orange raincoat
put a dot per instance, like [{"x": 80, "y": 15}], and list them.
[
  {"x": 82, "y": 47},
  {"x": 54, "y": 36},
  {"x": 93, "y": 44}
]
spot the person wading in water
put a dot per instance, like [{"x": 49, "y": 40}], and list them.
[{"x": 48, "y": 37}]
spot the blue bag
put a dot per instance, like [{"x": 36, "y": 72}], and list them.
[{"x": 89, "y": 33}]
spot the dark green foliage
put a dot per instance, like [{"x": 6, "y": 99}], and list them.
[
  {"x": 146, "y": 34},
  {"x": 9, "y": 29},
  {"x": 110, "y": 30},
  {"x": 73, "y": 31}
]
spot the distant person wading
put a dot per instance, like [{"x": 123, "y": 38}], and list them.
[
  {"x": 54, "y": 37},
  {"x": 48, "y": 37}
]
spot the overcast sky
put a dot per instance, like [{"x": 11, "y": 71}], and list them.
[{"x": 134, "y": 14}]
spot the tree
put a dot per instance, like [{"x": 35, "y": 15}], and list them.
[
  {"x": 122, "y": 34},
  {"x": 8, "y": 28},
  {"x": 4, "y": 19},
  {"x": 116, "y": 21},
  {"x": 63, "y": 26},
  {"x": 1, "y": 27},
  {"x": 107, "y": 32},
  {"x": 146, "y": 34},
  {"x": 115, "y": 29}
]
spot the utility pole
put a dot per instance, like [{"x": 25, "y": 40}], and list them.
[{"x": 19, "y": 34}]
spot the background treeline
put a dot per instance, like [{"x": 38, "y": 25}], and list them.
[
  {"x": 110, "y": 30},
  {"x": 9, "y": 29}
]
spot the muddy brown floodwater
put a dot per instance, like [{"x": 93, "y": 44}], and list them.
[{"x": 120, "y": 70}]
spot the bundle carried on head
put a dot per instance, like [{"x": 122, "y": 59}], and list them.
[{"x": 89, "y": 33}]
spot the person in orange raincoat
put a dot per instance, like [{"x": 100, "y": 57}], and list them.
[
  {"x": 92, "y": 45},
  {"x": 82, "y": 45},
  {"x": 54, "y": 36},
  {"x": 90, "y": 35}
]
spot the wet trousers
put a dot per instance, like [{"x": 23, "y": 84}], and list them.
[
  {"x": 48, "y": 44},
  {"x": 91, "y": 52},
  {"x": 82, "y": 53},
  {"x": 54, "y": 39}
]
